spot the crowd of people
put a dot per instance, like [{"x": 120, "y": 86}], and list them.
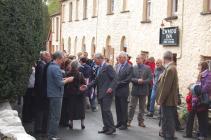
[{"x": 61, "y": 87}]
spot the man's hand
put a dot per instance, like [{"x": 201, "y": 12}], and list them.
[
  {"x": 83, "y": 88},
  {"x": 140, "y": 81},
  {"x": 70, "y": 79},
  {"x": 109, "y": 91}
]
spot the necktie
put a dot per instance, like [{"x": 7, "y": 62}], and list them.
[{"x": 121, "y": 67}]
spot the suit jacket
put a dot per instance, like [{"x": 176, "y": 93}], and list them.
[
  {"x": 167, "y": 93},
  {"x": 39, "y": 72},
  {"x": 141, "y": 73},
  {"x": 122, "y": 80},
  {"x": 104, "y": 80}
]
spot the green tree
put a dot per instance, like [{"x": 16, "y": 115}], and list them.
[
  {"x": 53, "y": 6},
  {"x": 22, "y": 36}
]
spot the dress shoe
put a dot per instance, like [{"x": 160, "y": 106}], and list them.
[
  {"x": 70, "y": 126},
  {"x": 180, "y": 129},
  {"x": 118, "y": 125},
  {"x": 82, "y": 126},
  {"x": 110, "y": 132},
  {"x": 122, "y": 127},
  {"x": 150, "y": 114},
  {"x": 102, "y": 131},
  {"x": 129, "y": 124},
  {"x": 141, "y": 124},
  {"x": 187, "y": 136}
]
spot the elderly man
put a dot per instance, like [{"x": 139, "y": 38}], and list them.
[
  {"x": 105, "y": 82},
  {"x": 141, "y": 79},
  {"x": 41, "y": 103},
  {"x": 124, "y": 75},
  {"x": 168, "y": 96},
  {"x": 55, "y": 90}
]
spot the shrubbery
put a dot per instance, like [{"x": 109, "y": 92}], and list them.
[{"x": 22, "y": 36}]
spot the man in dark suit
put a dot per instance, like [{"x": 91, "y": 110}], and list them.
[
  {"x": 105, "y": 82},
  {"x": 41, "y": 109},
  {"x": 124, "y": 74}
]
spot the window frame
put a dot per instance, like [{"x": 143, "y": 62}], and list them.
[
  {"x": 77, "y": 10},
  {"x": 209, "y": 5},
  {"x": 70, "y": 12},
  {"x": 174, "y": 10},
  {"x": 94, "y": 12},
  {"x": 63, "y": 13},
  {"x": 110, "y": 7},
  {"x": 57, "y": 28},
  {"x": 148, "y": 11},
  {"x": 85, "y": 9},
  {"x": 52, "y": 25}
]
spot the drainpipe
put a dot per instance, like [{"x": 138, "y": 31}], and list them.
[
  {"x": 60, "y": 25},
  {"x": 98, "y": 3},
  {"x": 182, "y": 30}
]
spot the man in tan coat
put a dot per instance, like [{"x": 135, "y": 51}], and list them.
[{"x": 167, "y": 96}]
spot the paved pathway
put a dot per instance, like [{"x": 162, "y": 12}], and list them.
[{"x": 93, "y": 124}]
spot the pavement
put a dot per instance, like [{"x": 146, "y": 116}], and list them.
[{"x": 93, "y": 123}]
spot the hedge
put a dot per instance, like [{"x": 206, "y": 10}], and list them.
[{"x": 22, "y": 36}]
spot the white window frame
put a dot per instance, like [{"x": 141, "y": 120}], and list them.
[{"x": 148, "y": 12}]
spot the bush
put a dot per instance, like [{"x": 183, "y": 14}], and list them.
[{"x": 21, "y": 39}]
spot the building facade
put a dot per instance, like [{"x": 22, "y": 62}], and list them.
[
  {"x": 111, "y": 26},
  {"x": 54, "y": 39}
]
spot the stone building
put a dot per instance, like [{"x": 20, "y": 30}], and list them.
[
  {"x": 55, "y": 33},
  {"x": 109, "y": 26}
]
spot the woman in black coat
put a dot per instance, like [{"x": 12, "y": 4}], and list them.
[{"x": 75, "y": 97}]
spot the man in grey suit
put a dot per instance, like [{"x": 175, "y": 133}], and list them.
[
  {"x": 105, "y": 82},
  {"x": 141, "y": 79},
  {"x": 124, "y": 75}
]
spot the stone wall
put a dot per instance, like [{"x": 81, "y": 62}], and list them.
[
  {"x": 195, "y": 32},
  {"x": 10, "y": 124}
]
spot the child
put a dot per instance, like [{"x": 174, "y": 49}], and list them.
[{"x": 191, "y": 114}]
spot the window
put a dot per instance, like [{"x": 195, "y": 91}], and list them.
[
  {"x": 110, "y": 6},
  {"x": 124, "y": 5},
  {"x": 146, "y": 11},
  {"x": 57, "y": 28},
  {"x": 93, "y": 45},
  {"x": 83, "y": 49},
  {"x": 63, "y": 13},
  {"x": 123, "y": 46},
  {"x": 75, "y": 45},
  {"x": 209, "y": 9},
  {"x": 52, "y": 24},
  {"x": 85, "y": 9},
  {"x": 172, "y": 8},
  {"x": 94, "y": 8},
  {"x": 70, "y": 11},
  {"x": 76, "y": 14},
  {"x": 69, "y": 45}
]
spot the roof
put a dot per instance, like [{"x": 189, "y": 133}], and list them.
[{"x": 55, "y": 14}]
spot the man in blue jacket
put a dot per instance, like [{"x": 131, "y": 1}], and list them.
[{"x": 55, "y": 90}]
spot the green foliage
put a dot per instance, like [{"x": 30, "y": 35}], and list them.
[
  {"x": 21, "y": 38},
  {"x": 53, "y": 6}
]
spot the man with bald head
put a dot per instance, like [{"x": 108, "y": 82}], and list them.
[{"x": 40, "y": 125}]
